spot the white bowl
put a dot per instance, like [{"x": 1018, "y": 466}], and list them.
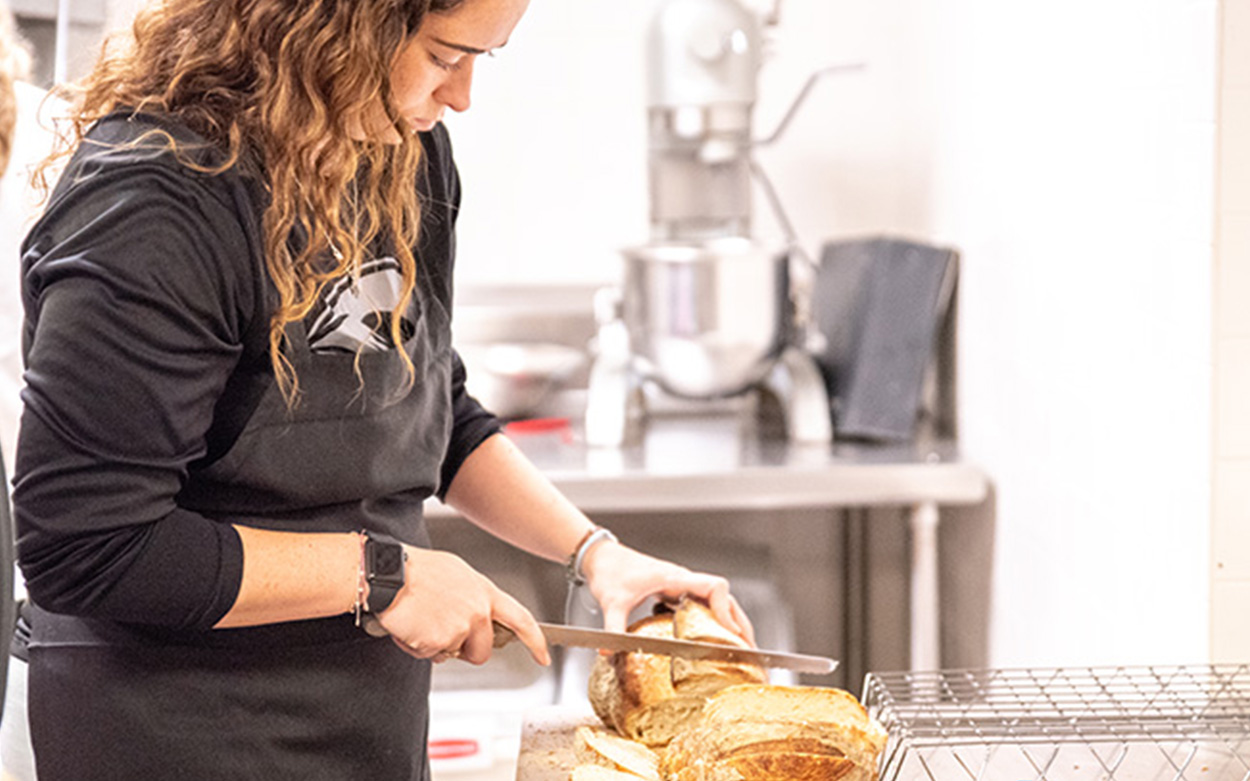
[{"x": 517, "y": 379}]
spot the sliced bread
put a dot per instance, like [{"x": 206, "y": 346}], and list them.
[
  {"x": 633, "y": 692},
  {"x": 600, "y": 773},
  {"x": 695, "y": 621},
  {"x": 599, "y": 746},
  {"x": 651, "y": 698}
]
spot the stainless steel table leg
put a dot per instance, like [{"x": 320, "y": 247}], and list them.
[{"x": 925, "y": 627}]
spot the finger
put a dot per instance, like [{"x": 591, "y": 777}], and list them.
[
  {"x": 533, "y": 638},
  {"x": 719, "y": 600},
  {"x": 513, "y": 615},
  {"x": 714, "y": 591},
  {"x": 414, "y": 651},
  {"x": 668, "y": 602},
  {"x": 478, "y": 644},
  {"x": 615, "y": 617},
  {"x": 743, "y": 620}
]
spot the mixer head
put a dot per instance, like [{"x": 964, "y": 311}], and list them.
[{"x": 703, "y": 60}]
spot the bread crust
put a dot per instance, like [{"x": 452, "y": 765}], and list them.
[
  {"x": 720, "y": 741},
  {"x": 764, "y": 732},
  {"x": 651, "y": 698},
  {"x": 833, "y": 710},
  {"x": 794, "y": 766}
]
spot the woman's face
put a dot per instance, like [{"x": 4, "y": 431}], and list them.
[{"x": 433, "y": 71}]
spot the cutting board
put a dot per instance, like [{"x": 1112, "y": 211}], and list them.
[{"x": 548, "y": 749}]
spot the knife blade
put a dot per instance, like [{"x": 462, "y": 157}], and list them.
[{"x": 584, "y": 637}]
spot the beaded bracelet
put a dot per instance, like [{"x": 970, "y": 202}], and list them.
[
  {"x": 359, "y": 606},
  {"x": 573, "y": 569}
]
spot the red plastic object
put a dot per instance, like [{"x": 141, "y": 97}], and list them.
[
  {"x": 453, "y": 748},
  {"x": 540, "y": 426}
]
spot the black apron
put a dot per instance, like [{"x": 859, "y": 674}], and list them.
[{"x": 312, "y": 700}]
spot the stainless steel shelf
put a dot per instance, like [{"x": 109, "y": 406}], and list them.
[{"x": 714, "y": 462}]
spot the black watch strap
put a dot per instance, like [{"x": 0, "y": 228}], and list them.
[{"x": 384, "y": 570}]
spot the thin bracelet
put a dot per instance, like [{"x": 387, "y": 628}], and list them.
[
  {"x": 359, "y": 606},
  {"x": 573, "y": 570}
]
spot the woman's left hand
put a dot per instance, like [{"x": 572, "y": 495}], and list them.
[{"x": 621, "y": 578}]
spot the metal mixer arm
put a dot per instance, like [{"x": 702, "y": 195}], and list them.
[{"x": 802, "y": 96}]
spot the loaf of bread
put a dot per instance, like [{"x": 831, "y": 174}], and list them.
[
  {"x": 651, "y": 698},
  {"x": 768, "y": 733},
  {"x": 694, "y": 678}
]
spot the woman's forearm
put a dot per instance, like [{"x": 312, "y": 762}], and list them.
[
  {"x": 499, "y": 490},
  {"x": 291, "y": 576}
]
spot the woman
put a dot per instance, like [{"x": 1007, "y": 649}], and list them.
[
  {"x": 241, "y": 390},
  {"x": 15, "y": 98}
]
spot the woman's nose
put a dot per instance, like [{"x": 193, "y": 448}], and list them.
[{"x": 455, "y": 91}]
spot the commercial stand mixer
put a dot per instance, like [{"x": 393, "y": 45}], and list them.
[{"x": 705, "y": 311}]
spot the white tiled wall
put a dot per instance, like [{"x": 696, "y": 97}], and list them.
[{"x": 1230, "y": 537}]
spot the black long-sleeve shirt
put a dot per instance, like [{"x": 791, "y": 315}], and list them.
[{"x": 147, "y": 308}]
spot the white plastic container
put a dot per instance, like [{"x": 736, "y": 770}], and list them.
[{"x": 475, "y": 735}]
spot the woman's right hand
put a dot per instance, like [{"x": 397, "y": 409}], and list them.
[{"x": 447, "y": 609}]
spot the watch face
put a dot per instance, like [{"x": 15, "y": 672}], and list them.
[{"x": 386, "y": 559}]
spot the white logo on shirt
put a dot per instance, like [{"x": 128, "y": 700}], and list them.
[{"x": 355, "y": 314}]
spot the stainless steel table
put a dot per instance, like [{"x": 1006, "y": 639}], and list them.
[{"x": 710, "y": 462}]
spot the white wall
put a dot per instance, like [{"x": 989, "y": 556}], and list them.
[
  {"x": 1075, "y": 167},
  {"x": 1065, "y": 148},
  {"x": 1230, "y": 548}
]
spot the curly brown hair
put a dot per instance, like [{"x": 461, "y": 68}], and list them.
[
  {"x": 286, "y": 79},
  {"x": 14, "y": 61}
]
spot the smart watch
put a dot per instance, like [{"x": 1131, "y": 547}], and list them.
[{"x": 384, "y": 570}]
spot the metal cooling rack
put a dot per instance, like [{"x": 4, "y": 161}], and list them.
[{"x": 1189, "y": 723}]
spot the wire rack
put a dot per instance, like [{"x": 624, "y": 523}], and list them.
[{"x": 1185, "y": 723}]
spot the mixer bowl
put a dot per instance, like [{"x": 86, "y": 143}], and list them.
[{"x": 706, "y": 319}]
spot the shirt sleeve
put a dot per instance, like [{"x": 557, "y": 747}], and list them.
[
  {"x": 137, "y": 285},
  {"x": 471, "y": 423}
]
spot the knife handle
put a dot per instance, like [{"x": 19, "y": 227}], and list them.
[{"x": 503, "y": 635}]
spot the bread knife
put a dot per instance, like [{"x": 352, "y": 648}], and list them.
[
  {"x": 584, "y": 637},
  {"x": 601, "y": 639}
]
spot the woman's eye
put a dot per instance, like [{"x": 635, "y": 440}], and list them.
[{"x": 439, "y": 62}]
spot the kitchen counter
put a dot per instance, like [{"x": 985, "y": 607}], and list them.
[{"x": 700, "y": 462}]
